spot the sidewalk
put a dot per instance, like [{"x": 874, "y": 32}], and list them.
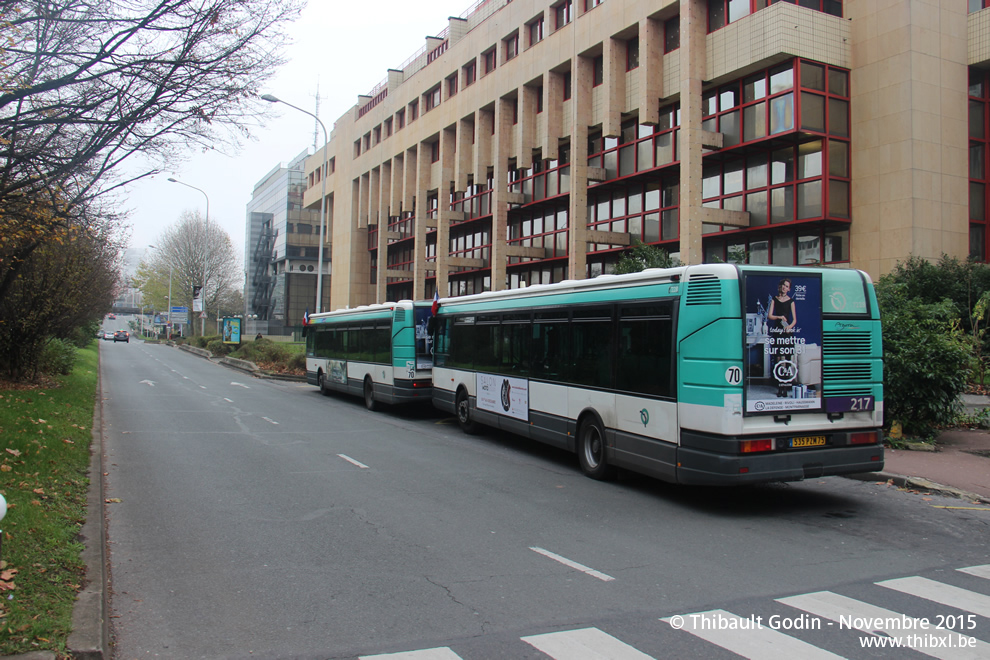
[{"x": 960, "y": 466}]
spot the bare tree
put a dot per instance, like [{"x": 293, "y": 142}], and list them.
[
  {"x": 182, "y": 253},
  {"x": 86, "y": 84}
]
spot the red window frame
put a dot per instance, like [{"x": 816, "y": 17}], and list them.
[
  {"x": 547, "y": 179},
  {"x": 511, "y": 46},
  {"x": 542, "y": 226},
  {"x": 535, "y": 30},
  {"x": 473, "y": 241},
  {"x": 431, "y": 99},
  {"x": 475, "y": 202},
  {"x": 490, "y": 60},
  {"x": 671, "y": 34},
  {"x": 778, "y": 177},
  {"x": 470, "y": 73},
  {"x": 563, "y": 13},
  {"x": 639, "y": 148}
]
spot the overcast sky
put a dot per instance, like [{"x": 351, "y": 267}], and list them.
[{"x": 344, "y": 47}]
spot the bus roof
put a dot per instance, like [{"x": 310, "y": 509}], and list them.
[
  {"x": 378, "y": 309},
  {"x": 648, "y": 276}
]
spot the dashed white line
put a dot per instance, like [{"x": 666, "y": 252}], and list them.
[
  {"x": 228, "y": 400},
  {"x": 573, "y": 564},
  {"x": 352, "y": 461},
  {"x": 270, "y": 420}
]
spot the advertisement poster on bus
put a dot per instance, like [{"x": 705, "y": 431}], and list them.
[
  {"x": 783, "y": 350},
  {"x": 503, "y": 395},
  {"x": 338, "y": 371},
  {"x": 424, "y": 341},
  {"x": 231, "y": 330}
]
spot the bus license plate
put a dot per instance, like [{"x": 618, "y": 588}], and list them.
[{"x": 808, "y": 441}]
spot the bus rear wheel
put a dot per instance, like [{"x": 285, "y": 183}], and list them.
[
  {"x": 591, "y": 450},
  {"x": 369, "y": 394},
  {"x": 463, "y": 408},
  {"x": 321, "y": 382}
]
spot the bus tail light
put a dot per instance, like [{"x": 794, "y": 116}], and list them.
[
  {"x": 422, "y": 383},
  {"x": 750, "y": 446},
  {"x": 866, "y": 438}
]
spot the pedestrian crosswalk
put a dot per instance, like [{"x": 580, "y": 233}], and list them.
[{"x": 946, "y": 621}]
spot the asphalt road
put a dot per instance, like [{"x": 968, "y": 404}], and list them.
[{"x": 254, "y": 518}]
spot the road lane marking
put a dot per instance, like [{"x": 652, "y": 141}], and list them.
[
  {"x": 148, "y": 382},
  {"x": 228, "y": 400},
  {"x": 939, "y": 592},
  {"x": 584, "y": 644},
  {"x": 872, "y": 619},
  {"x": 979, "y": 571},
  {"x": 239, "y": 385},
  {"x": 202, "y": 387},
  {"x": 743, "y": 637},
  {"x": 352, "y": 461},
  {"x": 442, "y": 653},
  {"x": 270, "y": 420},
  {"x": 573, "y": 564}
]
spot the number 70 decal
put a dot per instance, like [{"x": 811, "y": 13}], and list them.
[{"x": 733, "y": 376}]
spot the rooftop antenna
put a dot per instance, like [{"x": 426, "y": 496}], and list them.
[{"x": 316, "y": 123}]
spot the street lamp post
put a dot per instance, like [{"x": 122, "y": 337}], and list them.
[
  {"x": 323, "y": 197},
  {"x": 206, "y": 251}
]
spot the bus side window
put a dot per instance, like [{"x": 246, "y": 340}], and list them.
[
  {"x": 517, "y": 344},
  {"x": 550, "y": 349},
  {"x": 591, "y": 364},
  {"x": 441, "y": 340},
  {"x": 643, "y": 360},
  {"x": 383, "y": 344}
]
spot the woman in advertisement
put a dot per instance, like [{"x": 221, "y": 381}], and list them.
[{"x": 783, "y": 317}]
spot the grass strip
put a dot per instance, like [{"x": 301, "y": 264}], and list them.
[{"x": 45, "y": 436}]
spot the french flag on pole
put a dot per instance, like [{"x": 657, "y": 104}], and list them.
[
  {"x": 306, "y": 317},
  {"x": 436, "y": 303}
]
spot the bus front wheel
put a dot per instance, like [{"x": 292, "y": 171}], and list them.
[
  {"x": 591, "y": 450},
  {"x": 369, "y": 395},
  {"x": 463, "y": 408},
  {"x": 321, "y": 382}
]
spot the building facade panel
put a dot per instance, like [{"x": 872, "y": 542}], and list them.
[{"x": 532, "y": 140}]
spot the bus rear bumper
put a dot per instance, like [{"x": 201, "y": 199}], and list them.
[{"x": 702, "y": 468}]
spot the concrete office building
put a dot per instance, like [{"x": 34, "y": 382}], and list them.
[
  {"x": 532, "y": 140},
  {"x": 280, "y": 252}
]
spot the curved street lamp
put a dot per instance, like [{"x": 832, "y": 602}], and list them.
[
  {"x": 323, "y": 197},
  {"x": 206, "y": 248}
]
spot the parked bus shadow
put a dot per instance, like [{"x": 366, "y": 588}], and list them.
[
  {"x": 767, "y": 499},
  {"x": 774, "y": 499}
]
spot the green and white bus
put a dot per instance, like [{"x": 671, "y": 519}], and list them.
[
  {"x": 713, "y": 374},
  {"x": 381, "y": 352}
]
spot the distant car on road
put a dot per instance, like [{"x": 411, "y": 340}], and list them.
[
  {"x": 122, "y": 335},
  {"x": 111, "y": 316},
  {"x": 108, "y": 335}
]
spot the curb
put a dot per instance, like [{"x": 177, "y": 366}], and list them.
[
  {"x": 919, "y": 483},
  {"x": 90, "y": 634}
]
